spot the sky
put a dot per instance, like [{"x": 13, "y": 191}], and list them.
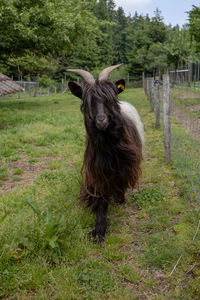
[{"x": 173, "y": 11}]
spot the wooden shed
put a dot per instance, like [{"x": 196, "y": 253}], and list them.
[{"x": 8, "y": 86}]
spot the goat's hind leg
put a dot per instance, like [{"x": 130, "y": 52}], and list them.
[{"x": 99, "y": 207}]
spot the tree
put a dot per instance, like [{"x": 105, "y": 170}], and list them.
[
  {"x": 178, "y": 47},
  {"x": 104, "y": 10},
  {"x": 194, "y": 25},
  {"x": 119, "y": 36},
  {"x": 52, "y": 28},
  {"x": 156, "y": 59},
  {"x": 157, "y": 29}
]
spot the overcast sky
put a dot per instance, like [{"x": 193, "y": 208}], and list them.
[{"x": 173, "y": 11}]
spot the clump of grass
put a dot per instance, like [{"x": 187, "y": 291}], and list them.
[
  {"x": 16, "y": 178},
  {"x": 3, "y": 172},
  {"x": 161, "y": 250},
  {"x": 49, "y": 227},
  {"x": 14, "y": 158},
  {"x": 95, "y": 276},
  {"x": 33, "y": 160},
  {"x": 55, "y": 164},
  {"x": 18, "y": 171},
  {"x": 147, "y": 196},
  {"x": 127, "y": 272}
]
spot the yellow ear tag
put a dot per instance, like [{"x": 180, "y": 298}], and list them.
[{"x": 122, "y": 87}]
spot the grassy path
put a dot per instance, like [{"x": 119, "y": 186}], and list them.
[
  {"x": 44, "y": 250},
  {"x": 185, "y": 107},
  {"x": 193, "y": 126}
]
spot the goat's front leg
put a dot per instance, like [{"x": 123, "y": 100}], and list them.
[{"x": 98, "y": 233}]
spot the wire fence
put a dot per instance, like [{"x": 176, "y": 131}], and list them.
[
  {"x": 34, "y": 88},
  {"x": 187, "y": 76},
  {"x": 184, "y": 134}
]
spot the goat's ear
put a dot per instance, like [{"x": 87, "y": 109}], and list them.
[
  {"x": 120, "y": 85},
  {"x": 75, "y": 89}
]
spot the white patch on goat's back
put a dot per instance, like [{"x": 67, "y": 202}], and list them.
[{"x": 130, "y": 112}]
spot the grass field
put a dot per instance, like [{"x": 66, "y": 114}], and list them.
[{"x": 44, "y": 248}]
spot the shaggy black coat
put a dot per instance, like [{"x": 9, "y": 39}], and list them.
[{"x": 112, "y": 157}]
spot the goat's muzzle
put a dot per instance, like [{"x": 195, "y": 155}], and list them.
[{"x": 101, "y": 122}]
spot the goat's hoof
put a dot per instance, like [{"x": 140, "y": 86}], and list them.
[
  {"x": 92, "y": 236},
  {"x": 96, "y": 237},
  {"x": 121, "y": 201}
]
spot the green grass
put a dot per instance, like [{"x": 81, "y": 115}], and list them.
[
  {"x": 189, "y": 104},
  {"x": 3, "y": 172},
  {"x": 18, "y": 171},
  {"x": 44, "y": 250}
]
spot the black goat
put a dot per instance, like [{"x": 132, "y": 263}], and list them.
[{"x": 113, "y": 145}]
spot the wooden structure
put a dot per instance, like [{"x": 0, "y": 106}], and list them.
[
  {"x": 8, "y": 86},
  {"x": 166, "y": 117},
  {"x": 157, "y": 108}
]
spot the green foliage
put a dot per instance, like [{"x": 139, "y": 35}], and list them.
[
  {"x": 33, "y": 63},
  {"x": 45, "y": 37},
  {"x": 49, "y": 227},
  {"x": 145, "y": 42},
  {"x": 36, "y": 30},
  {"x": 156, "y": 58},
  {"x": 46, "y": 81},
  {"x": 178, "y": 47},
  {"x": 194, "y": 24}
]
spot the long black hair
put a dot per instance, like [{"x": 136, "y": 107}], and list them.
[{"x": 112, "y": 158}]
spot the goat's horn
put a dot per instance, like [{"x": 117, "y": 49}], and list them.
[
  {"x": 105, "y": 73},
  {"x": 85, "y": 74}
]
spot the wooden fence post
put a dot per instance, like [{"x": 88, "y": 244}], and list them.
[
  {"x": 145, "y": 86},
  {"x": 166, "y": 117},
  {"x": 157, "y": 84},
  {"x": 143, "y": 80},
  {"x": 189, "y": 71},
  {"x": 36, "y": 86},
  {"x": 151, "y": 86},
  {"x": 148, "y": 89}
]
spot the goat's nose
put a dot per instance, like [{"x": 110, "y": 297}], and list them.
[{"x": 101, "y": 118}]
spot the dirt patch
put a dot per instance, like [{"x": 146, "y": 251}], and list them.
[
  {"x": 30, "y": 171},
  {"x": 191, "y": 125}
]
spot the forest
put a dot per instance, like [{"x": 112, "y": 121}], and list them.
[{"x": 43, "y": 38}]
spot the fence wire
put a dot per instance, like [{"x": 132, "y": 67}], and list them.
[{"x": 185, "y": 131}]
